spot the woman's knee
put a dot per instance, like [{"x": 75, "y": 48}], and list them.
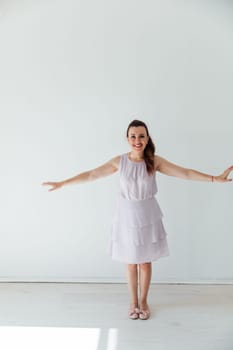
[
  {"x": 145, "y": 266},
  {"x": 132, "y": 267}
]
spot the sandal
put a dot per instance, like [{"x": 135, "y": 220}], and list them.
[
  {"x": 133, "y": 313},
  {"x": 144, "y": 314}
]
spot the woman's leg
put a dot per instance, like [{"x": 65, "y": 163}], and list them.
[
  {"x": 132, "y": 278},
  {"x": 144, "y": 280}
]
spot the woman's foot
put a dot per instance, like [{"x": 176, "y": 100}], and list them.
[
  {"x": 133, "y": 312},
  {"x": 144, "y": 313}
]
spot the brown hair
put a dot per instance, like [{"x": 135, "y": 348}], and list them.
[{"x": 149, "y": 151}]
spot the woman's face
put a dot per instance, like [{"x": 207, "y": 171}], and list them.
[{"x": 137, "y": 138}]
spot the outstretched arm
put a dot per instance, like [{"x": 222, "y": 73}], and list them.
[
  {"x": 104, "y": 170},
  {"x": 170, "y": 169}
]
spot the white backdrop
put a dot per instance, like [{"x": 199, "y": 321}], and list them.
[{"x": 73, "y": 74}]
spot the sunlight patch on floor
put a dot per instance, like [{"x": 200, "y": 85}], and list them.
[
  {"x": 47, "y": 338},
  {"x": 112, "y": 339}
]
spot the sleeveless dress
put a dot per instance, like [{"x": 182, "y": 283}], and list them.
[{"x": 138, "y": 235}]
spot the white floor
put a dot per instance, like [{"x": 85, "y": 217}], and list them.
[{"x": 94, "y": 317}]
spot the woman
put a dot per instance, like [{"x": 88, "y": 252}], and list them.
[{"x": 138, "y": 235}]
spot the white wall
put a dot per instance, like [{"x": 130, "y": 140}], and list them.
[{"x": 73, "y": 74}]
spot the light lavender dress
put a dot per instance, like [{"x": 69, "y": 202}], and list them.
[{"x": 138, "y": 234}]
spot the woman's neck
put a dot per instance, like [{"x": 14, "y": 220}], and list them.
[{"x": 136, "y": 157}]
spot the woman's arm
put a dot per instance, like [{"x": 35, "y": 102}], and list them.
[
  {"x": 104, "y": 170},
  {"x": 171, "y": 169}
]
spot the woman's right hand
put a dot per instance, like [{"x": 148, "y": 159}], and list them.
[{"x": 54, "y": 185}]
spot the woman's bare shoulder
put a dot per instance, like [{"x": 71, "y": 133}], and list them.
[
  {"x": 158, "y": 160},
  {"x": 115, "y": 161}
]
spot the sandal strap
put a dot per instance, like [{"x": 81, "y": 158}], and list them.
[{"x": 134, "y": 311}]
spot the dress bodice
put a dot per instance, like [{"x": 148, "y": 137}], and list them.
[{"x": 135, "y": 182}]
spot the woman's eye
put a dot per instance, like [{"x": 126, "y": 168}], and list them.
[{"x": 140, "y": 136}]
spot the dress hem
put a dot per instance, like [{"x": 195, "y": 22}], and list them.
[{"x": 140, "y": 262}]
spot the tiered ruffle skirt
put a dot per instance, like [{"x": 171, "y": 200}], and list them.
[{"x": 138, "y": 234}]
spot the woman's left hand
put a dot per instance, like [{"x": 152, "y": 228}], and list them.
[{"x": 224, "y": 176}]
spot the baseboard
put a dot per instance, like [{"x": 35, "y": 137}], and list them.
[{"x": 104, "y": 280}]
